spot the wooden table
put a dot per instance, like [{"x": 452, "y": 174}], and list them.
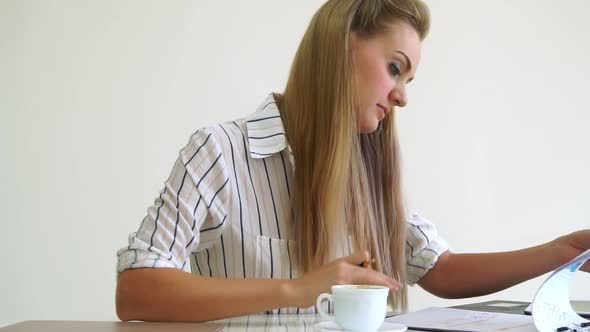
[
  {"x": 259, "y": 323},
  {"x": 254, "y": 323}
]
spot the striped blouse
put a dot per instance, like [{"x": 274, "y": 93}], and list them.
[{"x": 222, "y": 210}]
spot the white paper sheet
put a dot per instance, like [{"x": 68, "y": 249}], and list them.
[
  {"x": 551, "y": 307},
  {"x": 449, "y": 319}
]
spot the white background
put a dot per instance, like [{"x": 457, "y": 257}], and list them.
[{"x": 98, "y": 97}]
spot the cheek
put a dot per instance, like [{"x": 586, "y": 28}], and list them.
[
  {"x": 375, "y": 90},
  {"x": 377, "y": 83},
  {"x": 378, "y": 79},
  {"x": 384, "y": 82}
]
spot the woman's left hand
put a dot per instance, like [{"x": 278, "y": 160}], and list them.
[{"x": 573, "y": 244}]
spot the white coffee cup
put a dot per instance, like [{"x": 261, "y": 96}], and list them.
[{"x": 357, "y": 308}]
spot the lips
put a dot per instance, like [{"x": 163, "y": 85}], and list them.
[{"x": 384, "y": 109}]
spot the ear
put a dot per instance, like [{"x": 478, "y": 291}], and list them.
[{"x": 353, "y": 39}]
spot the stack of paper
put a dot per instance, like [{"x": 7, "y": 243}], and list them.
[{"x": 448, "y": 319}]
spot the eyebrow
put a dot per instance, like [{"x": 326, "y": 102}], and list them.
[{"x": 407, "y": 59}]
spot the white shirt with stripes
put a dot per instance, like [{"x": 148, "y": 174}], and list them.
[{"x": 222, "y": 210}]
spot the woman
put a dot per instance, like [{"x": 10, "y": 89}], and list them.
[{"x": 273, "y": 209}]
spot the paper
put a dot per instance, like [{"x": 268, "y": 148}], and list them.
[
  {"x": 582, "y": 308},
  {"x": 551, "y": 307},
  {"x": 449, "y": 319}
]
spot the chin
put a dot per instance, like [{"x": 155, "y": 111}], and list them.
[{"x": 368, "y": 128}]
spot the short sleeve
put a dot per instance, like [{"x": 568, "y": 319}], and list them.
[
  {"x": 423, "y": 246},
  {"x": 190, "y": 210}
]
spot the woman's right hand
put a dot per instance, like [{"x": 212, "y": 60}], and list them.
[{"x": 343, "y": 271}]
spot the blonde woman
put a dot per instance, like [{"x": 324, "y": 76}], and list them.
[{"x": 267, "y": 212}]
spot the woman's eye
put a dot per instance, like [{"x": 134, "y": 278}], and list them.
[{"x": 395, "y": 69}]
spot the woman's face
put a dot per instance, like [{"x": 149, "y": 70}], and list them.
[{"x": 385, "y": 64}]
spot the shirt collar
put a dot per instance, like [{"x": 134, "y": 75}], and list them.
[{"x": 266, "y": 134}]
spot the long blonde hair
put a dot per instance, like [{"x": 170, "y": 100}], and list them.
[{"x": 345, "y": 183}]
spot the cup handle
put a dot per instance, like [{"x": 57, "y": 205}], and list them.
[{"x": 318, "y": 305}]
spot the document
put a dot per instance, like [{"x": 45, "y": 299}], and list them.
[
  {"x": 551, "y": 308},
  {"x": 449, "y": 319},
  {"x": 582, "y": 308}
]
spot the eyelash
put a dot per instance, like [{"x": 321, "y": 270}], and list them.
[{"x": 395, "y": 69}]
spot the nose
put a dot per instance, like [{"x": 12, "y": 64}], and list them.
[{"x": 398, "y": 96}]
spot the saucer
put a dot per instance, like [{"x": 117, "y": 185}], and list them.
[{"x": 332, "y": 326}]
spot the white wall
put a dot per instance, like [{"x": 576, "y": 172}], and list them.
[{"x": 97, "y": 97}]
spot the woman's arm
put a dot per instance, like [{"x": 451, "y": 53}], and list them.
[
  {"x": 173, "y": 295},
  {"x": 468, "y": 275}
]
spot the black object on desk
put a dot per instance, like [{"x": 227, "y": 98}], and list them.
[
  {"x": 582, "y": 308},
  {"x": 506, "y": 307}
]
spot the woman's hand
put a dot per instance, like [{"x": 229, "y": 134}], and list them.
[
  {"x": 573, "y": 244},
  {"x": 344, "y": 271}
]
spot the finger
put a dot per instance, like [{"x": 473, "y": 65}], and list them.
[
  {"x": 358, "y": 258},
  {"x": 371, "y": 277},
  {"x": 586, "y": 267},
  {"x": 393, "y": 291}
]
